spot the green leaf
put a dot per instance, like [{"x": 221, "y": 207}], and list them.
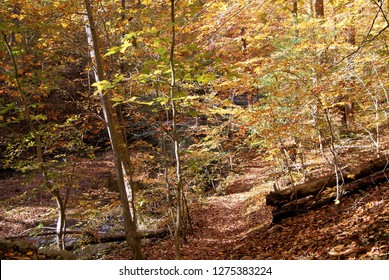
[
  {"x": 162, "y": 100},
  {"x": 132, "y": 99},
  {"x": 125, "y": 46},
  {"x": 143, "y": 78},
  {"x": 118, "y": 78},
  {"x": 117, "y": 99},
  {"x": 112, "y": 51},
  {"x": 161, "y": 51},
  {"x": 206, "y": 78},
  {"x": 233, "y": 75},
  {"x": 129, "y": 36},
  {"x": 145, "y": 103},
  {"x": 102, "y": 85}
]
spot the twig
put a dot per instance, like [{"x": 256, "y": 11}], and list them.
[{"x": 366, "y": 41}]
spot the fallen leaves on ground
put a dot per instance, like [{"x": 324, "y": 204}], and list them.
[{"x": 238, "y": 225}]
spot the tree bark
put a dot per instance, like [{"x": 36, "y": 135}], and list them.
[
  {"x": 122, "y": 162},
  {"x": 313, "y": 202},
  {"x": 313, "y": 194},
  {"x": 179, "y": 194},
  {"x": 296, "y": 17},
  {"x": 319, "y": 8},
  {"x": 315, "y": 186}
]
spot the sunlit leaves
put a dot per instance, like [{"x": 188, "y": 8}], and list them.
[
  {"x": 103, "y": 85},
  {"x": 289, "y": 73},
  {"x": 113, "y": 50},
  {"x": 206, "y": 78}
]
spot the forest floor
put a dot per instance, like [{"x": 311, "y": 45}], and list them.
[
  {"x": 235, "y": 225},
  {"x": 238, "y": 225}
]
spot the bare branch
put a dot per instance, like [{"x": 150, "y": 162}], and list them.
[{"x": 366, "y": 41}]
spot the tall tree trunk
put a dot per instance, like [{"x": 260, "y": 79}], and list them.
[
  {"x": 119, "y": 149},
  {"x": 319, "y": 8},
  {"x": 179, "y": 194},
  {"x": 61, "y": 221},
  {"x": 296, "y": 17},
  {"x": 16, "y": 11}
]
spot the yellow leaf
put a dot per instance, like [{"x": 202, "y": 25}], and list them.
[
  {"x": 102, "y": 85},
  {"x": 19, "y": 17},
  {"x": 339, "y": 247}
]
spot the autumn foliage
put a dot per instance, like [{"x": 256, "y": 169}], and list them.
[{"x": 289, "y": 82}]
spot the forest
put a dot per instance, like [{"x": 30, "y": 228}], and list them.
[{"x": 194, "y": 129}]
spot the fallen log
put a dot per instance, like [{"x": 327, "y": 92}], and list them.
[
  {"x": 93, "y": 238},
  {"x": 279, "y": 198},
  {"x": 46, "y": 233},
  {"x": 159, "y": 233},
  {"x": 361, "y": 180},
  {"x": 318, "y": 185},
  {"x": 313, "y": 202}
]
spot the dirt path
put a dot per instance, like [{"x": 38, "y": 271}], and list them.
[{"x": 220, "y": 222}]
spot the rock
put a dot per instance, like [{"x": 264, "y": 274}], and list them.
[
  {"x": 22, "y": 246},
  {"x": 5, "y": 246},
  {"x": 65, "y": 255},
  {"x": 56, "y": 254}
]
